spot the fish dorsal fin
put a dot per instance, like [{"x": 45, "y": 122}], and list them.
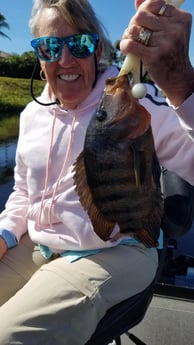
[{"x": 102, "y": 227}]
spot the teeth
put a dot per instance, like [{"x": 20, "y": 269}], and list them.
[{"x": 69, "y": 77}]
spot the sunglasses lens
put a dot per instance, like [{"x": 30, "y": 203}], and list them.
[
  {"x": 82, "y": 45},
  {"x": 50, "y": 48},
  {"x": 47, "y": 48}
]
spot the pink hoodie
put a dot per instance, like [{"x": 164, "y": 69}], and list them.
[{"x": 44, "y": 200}]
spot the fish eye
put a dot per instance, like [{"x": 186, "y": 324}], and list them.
[{"x": 101, "y": 114}]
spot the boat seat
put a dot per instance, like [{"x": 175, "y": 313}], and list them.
[{"x": 122, "y": 317}]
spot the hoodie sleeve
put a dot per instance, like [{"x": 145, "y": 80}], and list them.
[
  {"x": 173, "y": 131},
  {"x": 9, "y": 238},
  {"x": 13, "y": 218},
  {"x": 185, "y": 114}
]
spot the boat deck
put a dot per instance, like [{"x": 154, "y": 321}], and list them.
[{"x": 168, "y": 321}]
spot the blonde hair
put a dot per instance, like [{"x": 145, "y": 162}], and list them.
[{"x": 79, "y": 14}]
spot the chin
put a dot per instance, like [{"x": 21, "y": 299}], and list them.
[{"x": 71, "y": 102}]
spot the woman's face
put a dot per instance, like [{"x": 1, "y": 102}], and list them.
[{"x": 70, "y": 78}]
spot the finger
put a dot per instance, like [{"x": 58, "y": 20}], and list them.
[
  {"x": 148, "y": 16},
  {"x": 149, "y": 5},
  {"x": 138, "y": 3}
]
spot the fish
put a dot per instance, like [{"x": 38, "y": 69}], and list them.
[{"x": 117, "y": 173}]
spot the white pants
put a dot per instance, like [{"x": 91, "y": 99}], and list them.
[{"x": 60, "y": 303}]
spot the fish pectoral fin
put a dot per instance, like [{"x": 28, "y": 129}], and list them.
[
  {"x": 81, "y": 184},
  {"x": 102, "y": 227},
  {"x": 139, "y": 165}
]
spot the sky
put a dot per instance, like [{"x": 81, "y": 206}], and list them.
[{"x": 114, "y": 17}]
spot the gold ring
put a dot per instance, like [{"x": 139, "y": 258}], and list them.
[
  {"x": 144, "y": 36},
  {"x": 162, "y": 10}
]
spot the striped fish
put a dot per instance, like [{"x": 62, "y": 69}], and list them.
[{"x": 116, "y": 174}]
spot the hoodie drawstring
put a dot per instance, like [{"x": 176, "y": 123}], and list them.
[{"x": 49, "y": 220}]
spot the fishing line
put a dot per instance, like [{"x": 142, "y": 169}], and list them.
[
  {"x": 139, "y": 90},
  {"x": 142, "y": 76},
  {"x": 57, "y": 101},
  {"x": 31, "y": 89}
]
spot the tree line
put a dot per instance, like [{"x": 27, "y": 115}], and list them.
[
  {"x": 19, "y": 66},
  {"x": 16, "y": 66}
]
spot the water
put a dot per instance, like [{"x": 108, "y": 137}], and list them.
[{"x": 7, "y": 163}]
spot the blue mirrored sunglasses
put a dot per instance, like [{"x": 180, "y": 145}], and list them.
[{"x": 80, "y": 45}]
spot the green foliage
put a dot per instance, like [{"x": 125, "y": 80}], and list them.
[
  {"x": 19, "y": 66},
  {"x": 15, "y": 94}
]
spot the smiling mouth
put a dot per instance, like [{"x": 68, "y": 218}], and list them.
[{"x": 68, "y": 77}]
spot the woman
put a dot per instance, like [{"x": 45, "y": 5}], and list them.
[{"x": 57, "y": 282}]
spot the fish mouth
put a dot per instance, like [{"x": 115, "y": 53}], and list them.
[{"x": 116, "y": 85}]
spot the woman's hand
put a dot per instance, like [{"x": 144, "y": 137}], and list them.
[
  {"x": 166, "y": 55},
  {"x": 3, "y": 248}
]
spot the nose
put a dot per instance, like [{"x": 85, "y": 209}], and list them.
[{"x": 66, "y": 57}]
